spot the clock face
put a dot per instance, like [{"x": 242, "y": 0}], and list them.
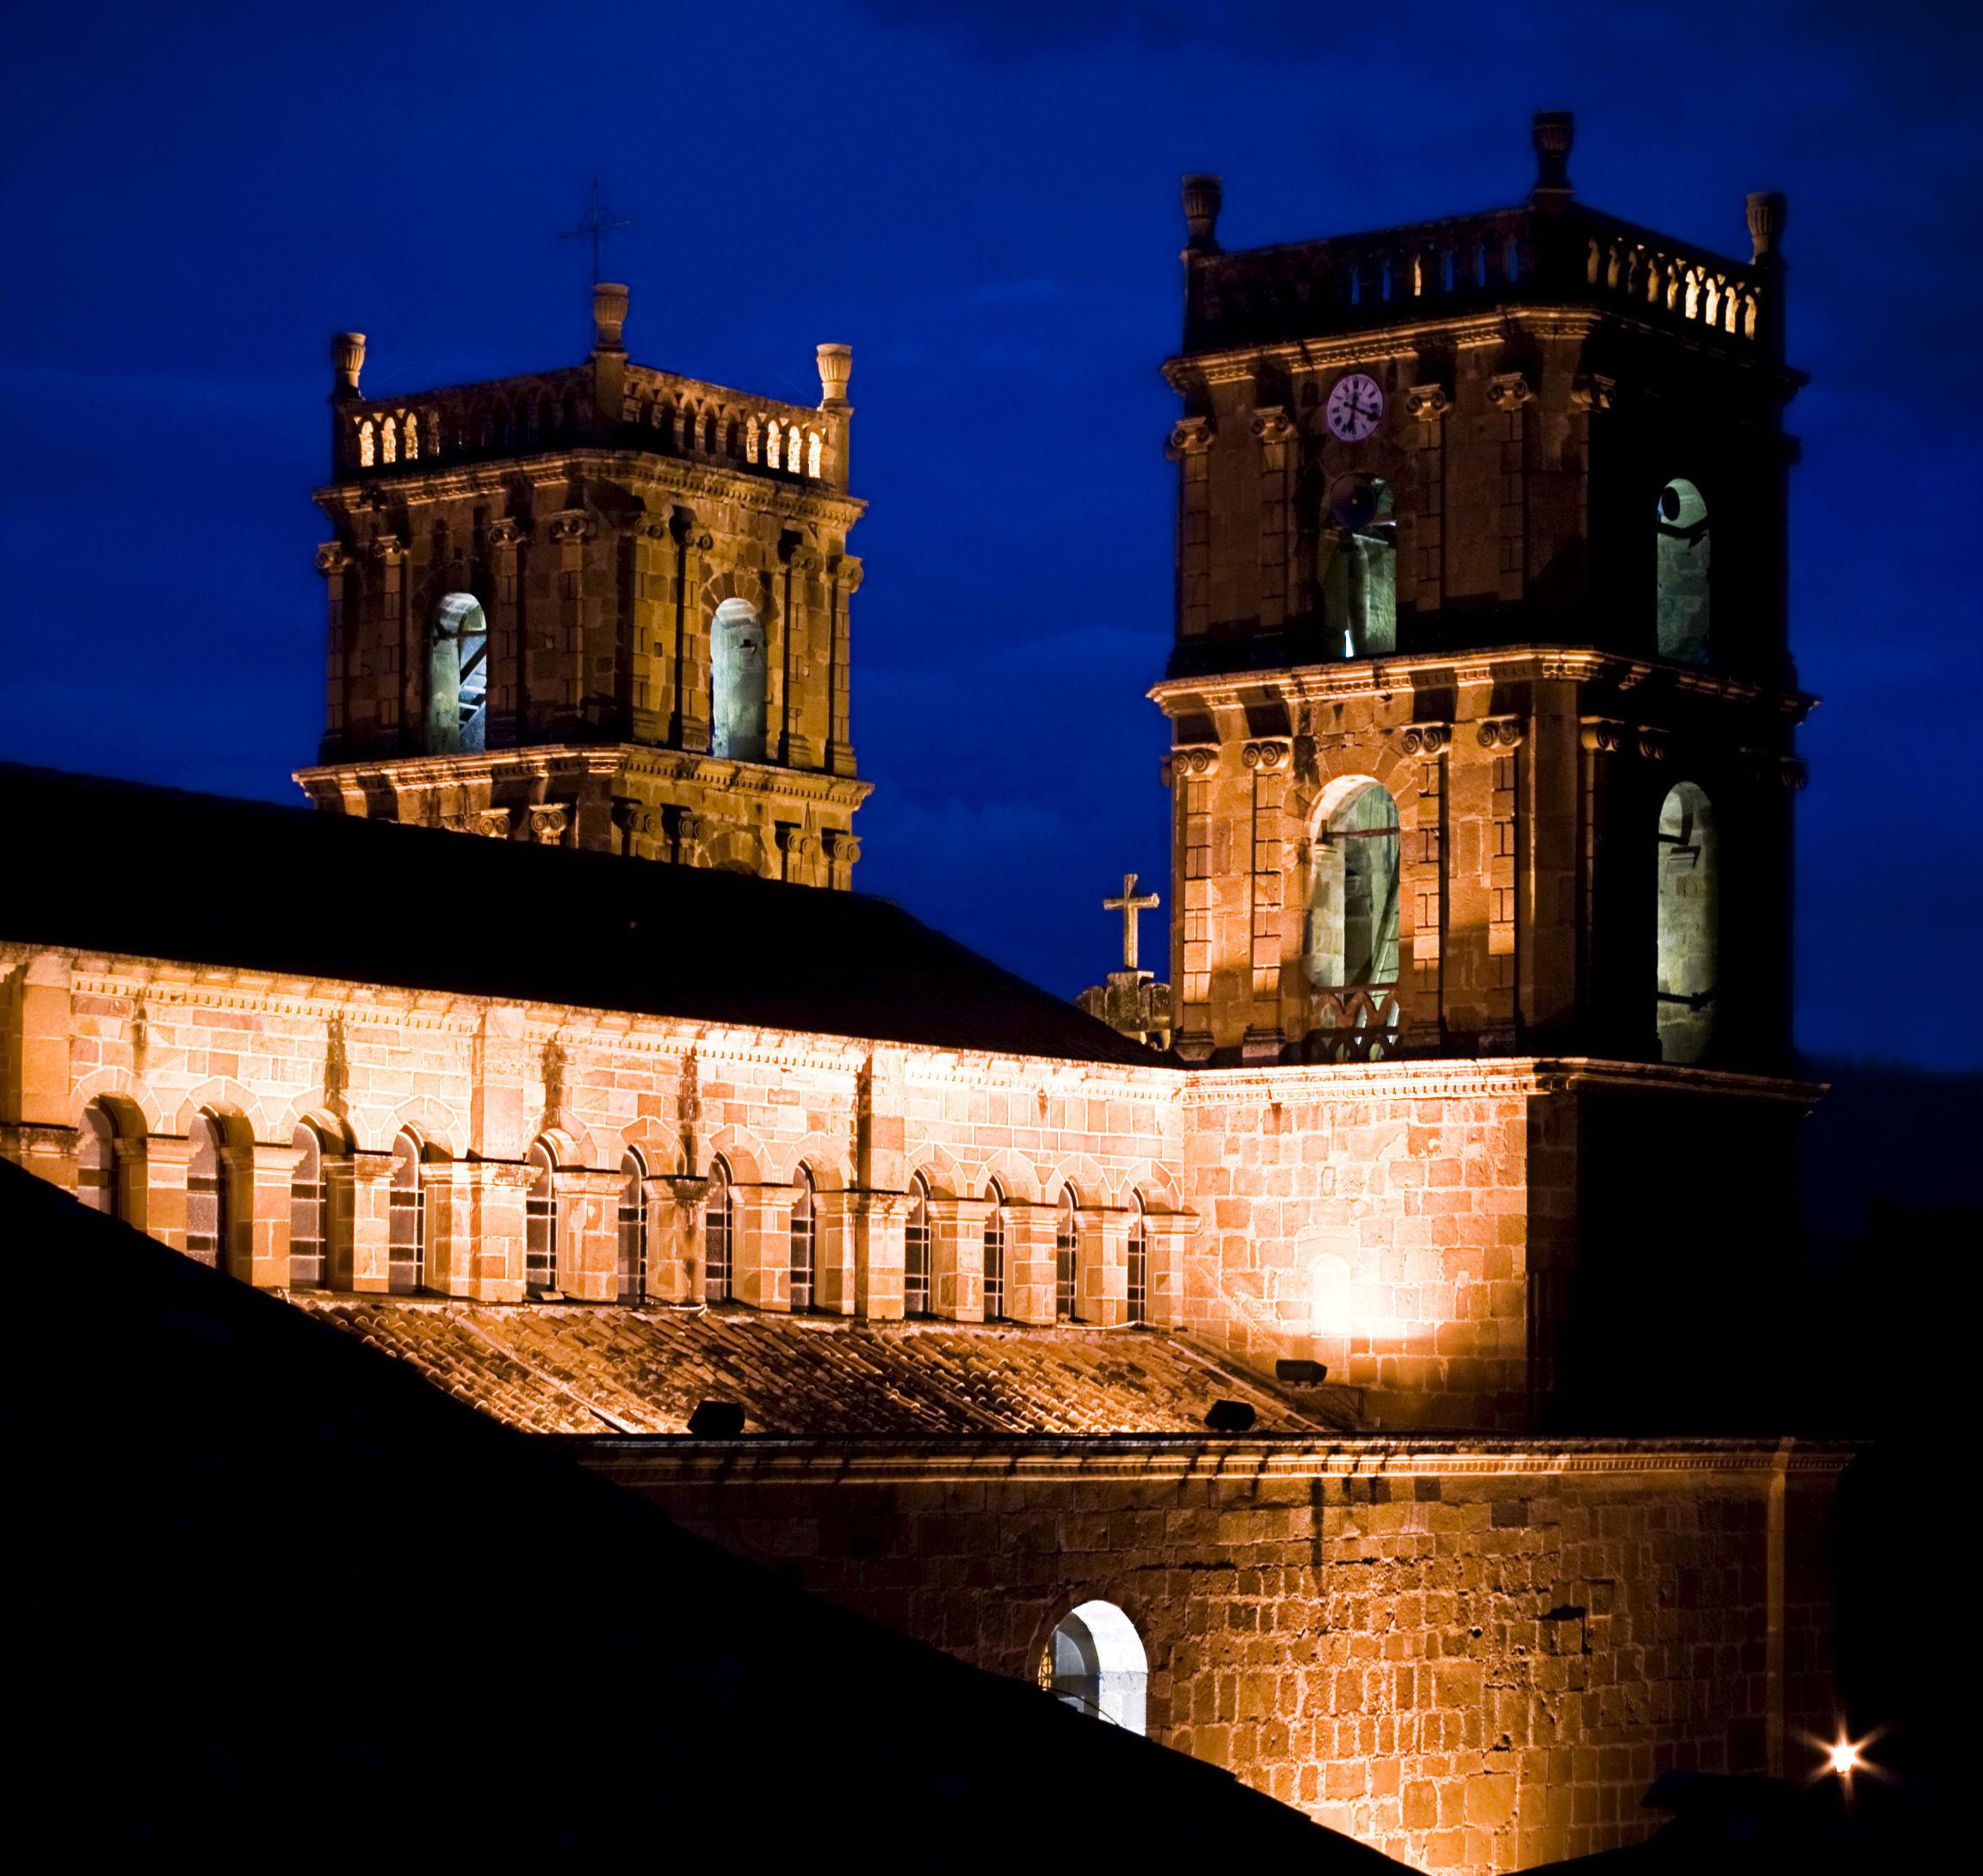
[{"x": 1355, "y": 406}]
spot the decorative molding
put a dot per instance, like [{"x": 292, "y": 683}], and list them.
[
  {"x": 1509, "y": 391},
  {"x": 1427, "y": 404},
  {"x": 1188, "y": 435},
  {"x": 1502, "y": 732},
  {"x": 1427, "y": 738}
]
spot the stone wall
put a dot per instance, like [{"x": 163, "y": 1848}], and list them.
[{"x": 1474, "y": 1659}]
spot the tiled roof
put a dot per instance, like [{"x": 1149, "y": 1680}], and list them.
[
  {"x": 555, "y": 1367},
  {"x": 337, "y": 897},
  {"x": 266, "y": 1589}
]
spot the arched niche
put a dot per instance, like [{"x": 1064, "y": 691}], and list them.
[
  {"x": 458, "y": 676},
  {"x": 1688, "y": 921},
  {"x": 1681, "y": 545},
  {"x": 736, "y": 681},
  {"x": 1093, "y": 1662},
  {"x": 1352, "y": 936}
]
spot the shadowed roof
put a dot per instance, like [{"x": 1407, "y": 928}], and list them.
[
  {"x": 119, "y": 867},
  {"x": 585, "y": 1368},
  {"x": 275, "y": 1597}
]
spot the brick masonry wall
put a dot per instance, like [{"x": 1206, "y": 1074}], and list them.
[{"x": 1474, "y": 1660}]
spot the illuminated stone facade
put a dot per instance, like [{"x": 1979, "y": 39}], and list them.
[{"x": 605, "y": 607}]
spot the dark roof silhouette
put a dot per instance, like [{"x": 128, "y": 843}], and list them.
[
  {"x": 278, "y": 1600},
  {"x": 116, "y": 866}
]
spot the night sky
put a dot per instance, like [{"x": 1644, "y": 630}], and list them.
[{"x": 983, "y": 200}]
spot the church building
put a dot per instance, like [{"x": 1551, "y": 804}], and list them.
[{"x": 1350, "y": 1362}]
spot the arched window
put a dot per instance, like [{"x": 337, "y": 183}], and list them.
[
  {"x": 412, "y": 437},
  {"x": 309, "y": 1213},
  {"x": 719, "y": 1235},
  {"x": 812, "y": 453},
  {"x": 736, "y": 681},
  {"x": 1353, "y": 897},
  {"x": 710, "y": 433},
  {"x": 771, "y": 444},
  {"x": 458, "y": 676},
  {"x": 1358, "y": 570},
  {"x": 541, "y": 1223},
  {"x": 367, "y": 443},
  {"x": 1689, "y": 918},
  {"x": 633, "y": 1275},
  {"x": 805, "y": 1211},
  {"x": 389, "y": 440},
  {"x": 98, "y": 1184},
  {"x": 916, "y": 1251},
  {"x": 995, "y": 1254},
  {"x": 1680, "y": 528},
  {"x": 207, "y": 1195},
  {"x": 1139, "y": 1263},
  {"x": 1093, "y": 1662},
  {"x": 1066, "y": 1256},
  {"x": 753, "y": 439},
  {"x": 406, "y": 1219}
]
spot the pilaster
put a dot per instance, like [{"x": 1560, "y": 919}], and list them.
[
  {"x": 881, "y": 1219},
  {"x": 835, "y": 1235},
  {"x": 761, "y": 1266},
  {"x": 1169, "y": 1235},
  {"x": 153, "y": 1169},
  {"x": 264, "y": 1182},
  {"x": 1030, "y": 1235},
  {"x": 676, "y": 1215},
  {"x": 957, "y": 1257},
  {"x": 368, "y": 1177},
  {"x": 1102, "y": 1264},
  {"x": 589, "y": 1231}
]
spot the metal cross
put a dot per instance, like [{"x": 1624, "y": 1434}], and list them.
[
  {"x": 1129, "y": 905},
  {"x": 595, "y": 224}
]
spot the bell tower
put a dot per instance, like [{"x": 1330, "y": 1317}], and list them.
[
  {"x": 602, "y": 606},
  {"x": 1481, "y": 701}
]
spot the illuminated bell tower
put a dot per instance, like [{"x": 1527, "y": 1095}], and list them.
[
  {"x": 603, "y": 607},
  {"x": 1481, "y": 701}
]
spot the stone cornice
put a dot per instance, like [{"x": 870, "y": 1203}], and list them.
[
  {"x": 545, "y": 761},
  {"x": 675, "y": 1458},
  {"x": 1381, "y": 677},
  {"x": 1482, "y": 1078},
  {"x": 674, "y": 478}
]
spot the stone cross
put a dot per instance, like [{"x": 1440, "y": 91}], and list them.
[{"x": 1129, "y": 905}]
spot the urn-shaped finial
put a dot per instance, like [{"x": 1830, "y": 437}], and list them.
[
  {"x": 608, "y": 315},
  {"x": 348, "y": 359},
  {"x": 836, "y": 367},
  {"x": 1767, "y": 210},
  {"x": 1202, "y": 196},
  {"x": 1552, "y": 133}
]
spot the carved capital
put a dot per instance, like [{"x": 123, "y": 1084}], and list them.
[
  {"x": 796, "y": 842},
  {"x": 1502, "y": 732},
  {"x": 1793, "y": 771},
  {"x": 1509, "y": 391},
  {"x": 573, "y": 528},
  {"x": 1427, "y": 404},
  {"x": 494, "y": 823},
  {"x": 1188, "y": 435},
  {"x": 387, "y": 549},
  {"x": 842, "y": 848},
  {"x": 1602, "y": 735},
  {"x": 1193, "y": 762},
  {"x": 1654, "y": 744},
  {"x": 333, "y": 559},
  {"x": 805, "y": 559},
  {"x": 1267, "y": 756},
  {"x": 848, "y": 569},
  {"x": 1272, "y": 424},
  {"x": 1593, "y": 393},
  {"x": 1427, "y": 738},
  {"x": 505, "y": 534},
  {"x": 548, "y": 821}
]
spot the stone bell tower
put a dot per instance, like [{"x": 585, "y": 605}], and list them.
[
  {"x": 602, "y": 606},
  {"x": 1481, "y": 701}
]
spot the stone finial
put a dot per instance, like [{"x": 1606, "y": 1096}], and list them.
[
  {"x": 1767, "y": 210},
  {"x": 1552, "y": 133},
  {"x": 836, "y": 367},
  {"x": 1202, "y": 196},
  {"x": 608, "y": 315},
  {"x": 348, "y": 359}
]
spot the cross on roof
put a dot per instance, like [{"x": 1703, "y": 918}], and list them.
[
  {"x": 1129, "y": 905},
  {"x": 595, "y": 224}
]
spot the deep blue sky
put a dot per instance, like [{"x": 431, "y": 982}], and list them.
[{"x": 982, "y": 200}]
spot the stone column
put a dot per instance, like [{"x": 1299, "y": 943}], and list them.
[
  {"x": 652, "y": 646},
  {"x": 488, "y": 1263},
  {"x": 836, "y": 1239},
  {"x": 1102, "y": 1264},
  {"x": 1189, "y": 448},
  {"x": 676, "y": 1208},
  {"x": 1030, "y": 1228},
  {"x": 879, "y": 1219},
  {"x": 1170, "y": 1235},
  {"x": 508, "y": 691},
  {"x": 761, "y": 1257},
  {"x": 588, "y": 1233},
  {"x": 449, "y": 1266},
  {"x": 1267, "y": 765},
  {"x": 1422, "y": 882},
  {"x": 690, "y": 729},
  {"x": 370, "y": 1180},
  {"x": 157, "y": 1174},
  {"x": 957, "y": 1258},
  {"x": 845, "y": 570},
  {"x": 263, "y": 1183},
  {"x": 1275, "y": 429}
]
